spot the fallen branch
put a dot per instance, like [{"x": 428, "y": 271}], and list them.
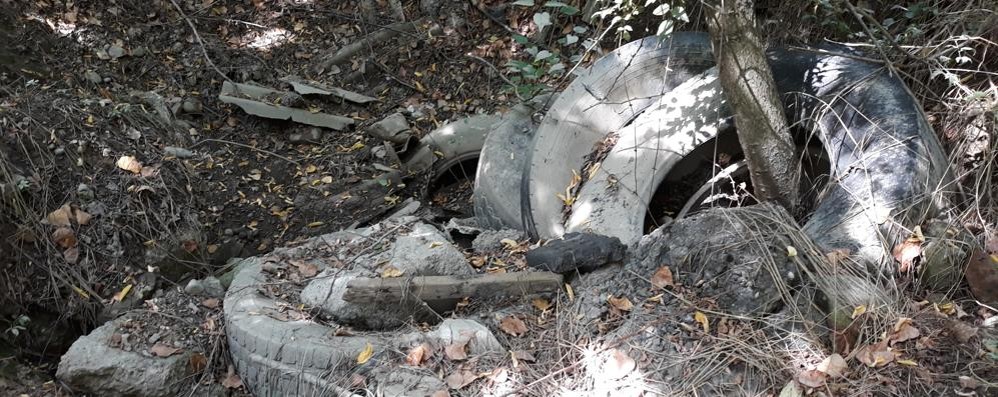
[
  {"x": 441, "y": 288},
  {"x": 200, "y": 41},
  {"x": 352, "y": 49}
]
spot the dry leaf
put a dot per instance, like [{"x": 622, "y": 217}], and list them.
[
  {"x": 812, "y": 378},
  {"x": 513, "y": 326},
  {"x": 120, "y": 296},
  {"x": 967, "y": 382},
  {"x": 65, "y": 237},
  {"x": 211, "y": 303},
  {"x": 701, "y": 318},
  {"x": 510, "y": 244},
  {"x": 662, "y": 278},
  {"x": 909, "y": 252},
  {"x": 198, "y": 362},
  {"x": 306, "y": 269},
  {"x": 59, "y": 217},
  {"x": 541, "y": 304},
  {"x": 962, "y": 331},
  {"x": 908, "y": 362},
  {"x": 418, "y": 354},
  {"x": 365, "y": 354},
  {"x": 82, "y": 217},
  {"x": 569, "y": 292},
  {"x": 618, "y": 364},
  {"x": 231, "y": 380},
  {"x": 833, "y": 365},
  {"x": 71, "y": 255},
  {"x": 161, "y": 350},
  {"x": 460, "y": 379},
  {"x": 875, "y": 355},
  {"x": 791, "y": 251},
  {"x": 189, "y": 246},
  {"x": 391, "y": 272},
  {"x": 456, "y": 351},
  {"x": 621, "y": 303},
  {"x": 130, "y": 164},
  {"x": 904, "y": 331},
  {"x": 982, "y": 275},
  {"x": 858, "y": 311}
]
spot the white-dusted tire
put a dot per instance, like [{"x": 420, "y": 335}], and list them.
[{"x": 887, "y": 165}]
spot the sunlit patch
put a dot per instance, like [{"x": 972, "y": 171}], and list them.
[
  {"x": 266, "y": 39},
  {"x": 59, "y": 26}
]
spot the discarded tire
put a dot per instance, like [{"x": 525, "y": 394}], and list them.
[
  {"x": 451, "y": 144},
  {"x": 606, "y": 98},
  {"x": 500, "y": 166},
  {"x": 278, "y": 356},
  {"x": 886, "y": 162}
]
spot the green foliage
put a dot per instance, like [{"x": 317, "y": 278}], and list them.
[
  {"x": 17, "y": 325},
  {"x": 622, "y": 12},
  {"x": 528, "y": 76}
]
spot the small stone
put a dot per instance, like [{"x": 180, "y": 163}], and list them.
[
  {"x": 84, "y": 192},
  {"x": 178, "y": 152},
  {"x": 92, "y": 77},
  {"x": 139, "y": 52},
  {"x": 155, "y": 338},
  {"x": 194, "y": 287},
  {"x": 59, "y": 151},
  {"x": 191, "y": 105},
  {"x": 227, "y": 232},
  {"x": 115, "y": 52}
]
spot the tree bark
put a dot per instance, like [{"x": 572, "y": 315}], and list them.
[{"x": 748, "y": 86}]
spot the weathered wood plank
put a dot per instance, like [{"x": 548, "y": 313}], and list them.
[{"x": 435, "y": 288}]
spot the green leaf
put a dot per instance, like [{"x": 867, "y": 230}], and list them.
[
  {"x": 569, "y": 10},
  {"x": 661, "y": 10},
  {"x": 555, "y": 4},
  {"x": 519, "y": 38},
  {"x": 542, "y": 55},
  {"x": 524, "y": 3},
  {"x": 542, "y": 19},
  {"x": 571, "y": 39},
  {"x": 517, "y": 64}
]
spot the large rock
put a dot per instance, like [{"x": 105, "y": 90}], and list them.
[{"x": 92, "y": 367}]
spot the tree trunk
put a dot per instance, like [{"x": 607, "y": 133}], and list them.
[{"x": 749, "y": 88}]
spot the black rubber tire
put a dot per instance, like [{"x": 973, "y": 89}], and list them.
[{"x": 887, "y": 165}]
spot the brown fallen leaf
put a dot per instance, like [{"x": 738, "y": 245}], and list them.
[
  {"x": 211, "y": 303},
  {"x": 909, "y": 252},
  {"x": 904, "y": 331},
  {"x": 306, "y": 269},
  {"x": 541, "y": 304},
  {"x": 418, "y": 354},
  {"x": 82, "y": 217},
  {"x": 833, "y": 365},
  {"x": 189, "y": 246},
  {"x": 962, "y": 331},
  {"x": 812, "y": 378},
  {"x": 71, "y": 255},
  {"x": 701, "y": 318},
  {"x": 460, "y": 379},
  {"x": 875, "y": 355},
  {"x": 618, "y": 364},
  {"x": 982, "y": 276},
  {"x": 662, "y": 278},
  {"x": 162, "y": 350},
  {"x": 456, "y": 351},
  {"x": 622, "y": 303},
  {"x": 198, "y": 362},
  {"x": 231, "y": 380},
  {"x": 59, "y": 217},
  {"x": 65, "y": 237},
  {"x": 130, "y": 164},
  {"x": 513, "y": 326},
  {"x": 391, "y": 272}
]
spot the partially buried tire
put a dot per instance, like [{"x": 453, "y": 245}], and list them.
[{"x": 887, "y": 166}]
